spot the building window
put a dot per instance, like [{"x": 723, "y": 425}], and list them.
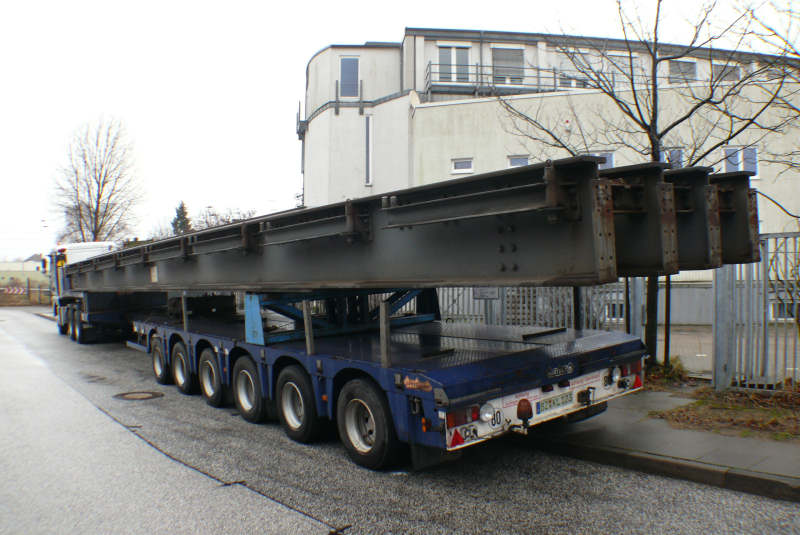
[
  {"x": 507, "y": 65},
  {"x": 782, "y": 311},
  {"x": 517, "y": 161},
  {"x": 681, "y": 72},
  {"x": 461, "y": 165},
  {"x": 724, "y": 72},
  {"x": 369, "y": 136},
  {"x": 348, "y": 79},
  {"x": 674, "y": 157},
  {"x": 453, "y": 58},
  {"x": 741, "y": 159}
]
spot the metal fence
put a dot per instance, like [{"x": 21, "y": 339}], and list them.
[
  {"x": 20, "y": 293},
  {"x": 757, "y": 318},
  {"x": 602, "y": 307}
]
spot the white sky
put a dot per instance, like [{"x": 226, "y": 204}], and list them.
[{"x": 208, "y": 91}]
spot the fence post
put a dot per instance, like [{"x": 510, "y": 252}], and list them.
[
  {"x": 28, "y": 289},
  {"x": 723, "y": 327},
  {"x": 637, "y": 294}
]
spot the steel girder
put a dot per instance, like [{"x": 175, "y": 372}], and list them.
[{"x": 559, "y": 223}]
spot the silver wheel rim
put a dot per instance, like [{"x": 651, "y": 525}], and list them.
[
  {"x": 180, "y": 373},
  {"x": 292, "y": 405},
  {"x": 158, "y": 366},
  {"x": 245, "y": 390},
  {"x": 207, "y": 378},
  {"x": 360, "y": 425}
]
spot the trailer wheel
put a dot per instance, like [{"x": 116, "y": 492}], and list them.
[
  {"x": 70, "y": 313},
  {"x": 365, "y": 425},
  {"x": 63, "y": 328},
  {"x": 78, "y": 330},
  {"x": 297, "y": 410},
  {"x": 247, "y": 393},
  {"x": 160, "y": 369},
  {"x": 210, "y": 378},
  {"x": 182, "y": 371}
]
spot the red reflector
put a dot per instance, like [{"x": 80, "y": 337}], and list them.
[
  {"x": 457, "y": 440},
  {"x": 547, "y": 388},
  {"x": 62, "y": 250},
  {"x": 637, "y": 383},
  {"x": 451, "y": 420},
  {"x": 454, "y": 419},
  {"x": 475, "y": 414},
  {"x": 524, "y": 409}
]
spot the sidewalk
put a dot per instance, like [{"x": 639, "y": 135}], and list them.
[{"x": 626, "y": 436}]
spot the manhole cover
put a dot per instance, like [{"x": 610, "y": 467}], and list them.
[{"x": 138, "y": 396}]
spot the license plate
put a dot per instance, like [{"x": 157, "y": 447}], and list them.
[{"x": 553, "y": 403}]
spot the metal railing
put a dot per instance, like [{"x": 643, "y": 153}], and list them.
[
  {"x": 757, "y": 318},
  {"x": 602, "y": 307},
  {"x": 477, "y": 78}
]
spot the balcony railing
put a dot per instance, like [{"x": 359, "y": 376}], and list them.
[
  {"x": 488, "y": 79},
  {"x": 500, "y": 79}
]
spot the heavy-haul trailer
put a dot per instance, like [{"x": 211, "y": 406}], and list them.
[{"x": 341, "y": 276}]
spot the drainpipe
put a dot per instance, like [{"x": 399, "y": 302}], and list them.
[{"x": 480, "y": 61}]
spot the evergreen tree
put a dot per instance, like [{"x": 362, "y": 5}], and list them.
[{"x": 181, "y": 224}]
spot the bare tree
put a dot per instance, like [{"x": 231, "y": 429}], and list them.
[
  {"x": 97, "y": 190},
  {"x": 658, "y": 100},
  {"x": 211, "y": 217},
  {"x": 777, "y": 26}
]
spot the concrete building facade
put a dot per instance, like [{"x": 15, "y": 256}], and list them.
[{"x": 385, "y": 116}]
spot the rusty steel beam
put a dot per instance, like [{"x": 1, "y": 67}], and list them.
[
  {"x": 644, "y": 220},
  {"x": 738, "y": 210},
  {"x": 548, "y": 224},
  {"x": 698, "y": 219}
]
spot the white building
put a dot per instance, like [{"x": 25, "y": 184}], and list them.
[{"x": 386, "y": 116}]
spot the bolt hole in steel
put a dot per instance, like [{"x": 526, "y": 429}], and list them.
[
  {"x": 207, "y": 378},
  {"x": 138, "y": 396},
  {"x": 360, "y": 425},
  {"x": 246, "y": 390},
  {"x": 292, "y": 405}
]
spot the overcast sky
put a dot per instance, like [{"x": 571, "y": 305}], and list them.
[{"x": 208, "y": 91}]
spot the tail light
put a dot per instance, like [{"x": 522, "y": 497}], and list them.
[{"x": 463, "y": 416}]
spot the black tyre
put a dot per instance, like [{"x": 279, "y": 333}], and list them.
[
  {"x": 160, "y": 369},
  {"x": 79, "y": 329},
  {"x": 365, "y": 425},
  {"x": 182, "y": 370},
  {"x": 297, "y": 410},
  {"x": 209, "y": 377},
  {"x": 63, "y": 328},
  {"x": 71, "y": 323},
  {"x": 247, "y": 393}
]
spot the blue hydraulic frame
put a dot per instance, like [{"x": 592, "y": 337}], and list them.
[{"x": 284, "y": 304}]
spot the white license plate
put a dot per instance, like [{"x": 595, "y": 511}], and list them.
[{"x": 553, "y": 403}]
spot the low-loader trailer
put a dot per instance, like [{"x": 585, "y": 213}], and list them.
[{"x": 331, "y": 313}]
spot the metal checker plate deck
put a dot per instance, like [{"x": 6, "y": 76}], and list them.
[{"x": 470, "y": 345}]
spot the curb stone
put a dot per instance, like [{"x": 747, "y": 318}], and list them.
[{"x": 760, "y": 483}]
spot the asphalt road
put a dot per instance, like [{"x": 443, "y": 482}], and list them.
[{"x": 505, "y": 486}]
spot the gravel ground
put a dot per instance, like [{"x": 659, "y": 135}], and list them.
[{"x": 505, "y": 486}]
